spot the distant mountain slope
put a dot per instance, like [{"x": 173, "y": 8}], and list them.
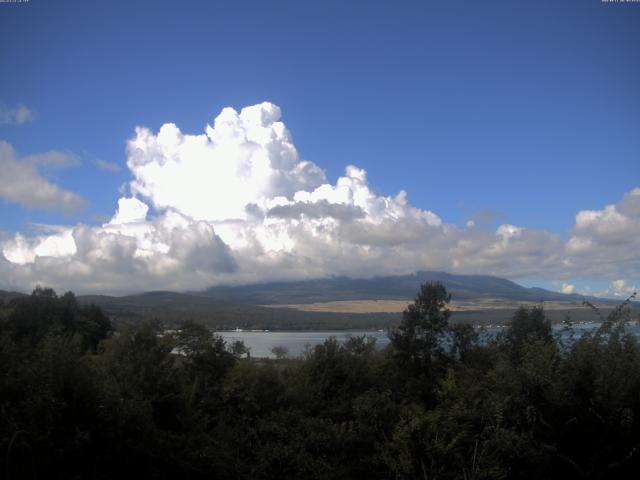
[
  {"x": 242, "y": 306},
  {"x": 403, "y": 287},
  {"x": 225, "y": 314},
  {"x": 8, "y": 296},
  {"x": 461, "y": 287},
  {"x": 162, "y": 305}
]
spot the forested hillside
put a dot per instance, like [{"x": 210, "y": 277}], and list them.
[
  {"x": 229, "y": 307},
  {"x": 462, "y": 287},
  {"x": 80, "y": 400}
]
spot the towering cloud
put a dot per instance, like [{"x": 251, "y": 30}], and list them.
[
  {"x": 244, "y": 158},
  {"x": 237, "y": 204}
]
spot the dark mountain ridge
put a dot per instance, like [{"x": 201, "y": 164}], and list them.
[
  {"x": 243, "y": 306},
  {"x": 8, "y": 296},
  {"x": 399, "y": 287},
  {"x": 461, "y": 287}
]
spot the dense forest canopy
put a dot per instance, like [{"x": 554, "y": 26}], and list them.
[{"x": 80, "y": 399}]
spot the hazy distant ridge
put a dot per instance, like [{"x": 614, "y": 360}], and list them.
[
  {"x": 229, "y": 307},
  {"x": 462, "y": 287}
]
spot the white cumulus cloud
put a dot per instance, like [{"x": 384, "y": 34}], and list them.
[
  {"x": 106, "y": 165},
  {"x": 16, "y": 115},
  {"x": 606, "y": 242},
  {"x": 237, "y": 204},
  {"x": 243, "y": 158},
  {"x": 620, "y": 288},
  {"x": 20, "y": 181},
  {"x": 567, "y": 288},
  {"x": 53, "y": 158}
]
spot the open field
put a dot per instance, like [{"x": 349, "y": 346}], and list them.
[
  {"x": 348, "y": 306},
  {"x": 397, "y": 306}
]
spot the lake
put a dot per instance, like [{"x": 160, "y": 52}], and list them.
[{"x": 260, "y": 343}]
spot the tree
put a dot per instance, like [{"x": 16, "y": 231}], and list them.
[
  {"x": 238, "y": 349},
  {"x": 417, "y": 344},
  {"x": 280, "y": 352},
  {"x": 207, "y": 359},
  {"x": 464, "y": 339},
  {"x": 423, "y": 326},
  {"x": 528, "y": 326},
  {"x": 43, "y": 313}
]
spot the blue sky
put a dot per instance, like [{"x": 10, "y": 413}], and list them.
[{"x": 529, "y": 110}]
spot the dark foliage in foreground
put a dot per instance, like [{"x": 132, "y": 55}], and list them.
[{"x": 78, "y": 400}]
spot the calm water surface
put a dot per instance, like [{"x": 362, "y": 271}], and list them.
[{"x": 261, "y": 342}]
